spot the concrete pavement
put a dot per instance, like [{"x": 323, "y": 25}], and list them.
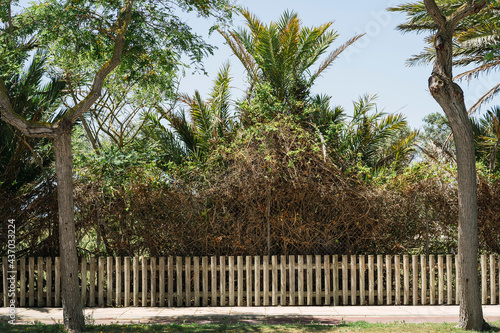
[{"x": 330, "y": 315}]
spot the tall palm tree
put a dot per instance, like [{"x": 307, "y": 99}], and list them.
[
  {"x": 476, "y": 43},
  {"x": 283, "y": 53},
  {"x": 190, "y": 134}
]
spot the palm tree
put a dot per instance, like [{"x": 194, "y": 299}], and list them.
[
  {"x": 283, "y": 53},
  {"x": 209, "y": 123},
  {"x": 487, "y": 137},
  {"x": 373, "y": 138},
  {"x": 476, "y": 43},
  {"x": 23, "y": 159}
]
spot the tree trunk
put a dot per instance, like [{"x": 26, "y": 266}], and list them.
[
  {"x": 450, "y": 97},
  {"x": 72, "y": 307}
]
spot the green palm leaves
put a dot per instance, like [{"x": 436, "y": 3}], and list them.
[
  {"x": 283, "y": 54},
  {"x": 476, "y": 43},
  {"x": 191, "y": 133},
  {"x": 373, "y": 138}
]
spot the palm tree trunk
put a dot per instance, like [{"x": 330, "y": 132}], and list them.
[{"x": 72, "y": 308}]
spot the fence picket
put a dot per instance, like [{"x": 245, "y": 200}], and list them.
[
  {"x": 414, "y": 263},
  {"x": 57, "y": 282},
  {"x": 135, "y": 265},
  {"x": 161, "y": 280},
  {"x": 213, "y": 272},
  {"x": 380, "y": 280},
  {"x": 248, "y": 276},
  {"x": 231, "y": 281},
  {"x": 22, "y": 301},
  {"x": 178, "y": 280},
  {"x": 335, "y": 280},
  {"x": 204, "y": 280},
  {"x": 493, "y": 288},
  {"x": 309, "y": 282},
  {"x": 283, "y": 280},
  {"x": 388, "y": 279},
  {"x": 354, "y": 280},
  {"x": 223, "y": 301},
  {"x": 83, "y": 285},
  {"x": 118, "y": 291},
  {"x": 327, "y": 271},
  {"x": 406, "y": 277},
  {"x": 126, "y": 275},
  {"x": 31, "y": 291},
  {"x": 397, "y": 279},
  {"x": 91, "y": 282},
  {"x": 440, "y": 280},
  {"x": 100, "y": 282},
  {"x": 484, "y": 285},
  {"x": 109, "y": 281},
  {"x": 345, "y": 288},
  {"x": 423, "y": 284},
  {"x": 274, "y": 282},
  {"x": 257, "y": 280},
  {"x": 291, "y": 274},
  {"x": 432, "y": 281},
  {"x": 196, "y": 281},
  {"x": 362, "y": 285},
  {"x": 144, "y": 284},
  {"x": 449, "y": 280},
  {"x": 187, "y": 272},
  {"x": 371, "y": 280},
  {"x": 240, "y": 280},
  {"x": 152, "y": 283},
  {"x": 300, "y": 279}
]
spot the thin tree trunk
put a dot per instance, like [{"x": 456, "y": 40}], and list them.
[
  {"x": 72, "y": 308},
  {"x": 450, "y": 97}
]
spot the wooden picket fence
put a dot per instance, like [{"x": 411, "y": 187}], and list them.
[{"x": 252, "y": 281}]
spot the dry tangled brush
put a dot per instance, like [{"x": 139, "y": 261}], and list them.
[{"x": 271, "y": 191}]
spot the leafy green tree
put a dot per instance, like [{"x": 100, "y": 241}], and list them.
[{"x": 283, "y": 54}]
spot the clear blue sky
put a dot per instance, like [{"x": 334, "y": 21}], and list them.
[{"x": 374, "y": 65}]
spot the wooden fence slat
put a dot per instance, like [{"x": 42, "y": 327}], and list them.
[
  {"x": 345, "y": 288},
  {"x": 362, "y": 281},
  {"x": 231, "y": 281},
  {"x": 83, "y": 284},
  {"x": 380, "y": 280},
  {"x": 39, "y": 281},
  {"x": 213, "y": 267},
  {"x": 196, "y": 273},
  {"x": 152, "y": 279},
  {"x": 432, "y": 281},
  {"x": 178, "y": 280},
  {"x": 109, "y": 284},
  {"x": 126, "y": 275},
  {"x": 31, "y": 291},
  {"x": 248, "y": 276},
  {"x": 457, "y": 282},
  {"x": 239, "y": 263},
  {"x": 327, "y": 273},
  {"x": 187, "y": 273},
  {"x": 388, "y": 279},
  {"x": 449, "y": 279},
  {"x": 100, "y": 282},
  {"x": 274, "y": 282},
  {"x": 335, "y": 279},
  {"x": 144, "y": 283},
  {"x": 309, "y": 283},
  {"x": 257, "y": 280},
  {"x": 283, "y": 280},
  {"x": 371, "y": 280},
  {"x": 57, "y": 282},
  {"x": 170, "y": 281},
  {"x": 300, "y": 279},
  {"x": 440, "y": 280},
  {"x": 265, "y": 273},
  {"x": 204, "y": 280},
  {"x": 493, "y": 288},
  {"x": 92, "y": 273},
  {"x": 291, "y": 274},
  {"x": 397, "y": 280},
  {"x": 22, "y": 301},
  {"x": 318, "y": 276},
  {"x": 406, "y": 277},
  {"x": 223, "y": 301},
  {"x": 484, "y": 285},
  {"x": 414, "y": 263},
  {"x": 423, "y": 270},
  {"x": 135, "y": 265},
  {"x": 354, "y": 288}
]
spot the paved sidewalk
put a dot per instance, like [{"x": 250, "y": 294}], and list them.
[{"x": 271, "y": 315}]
